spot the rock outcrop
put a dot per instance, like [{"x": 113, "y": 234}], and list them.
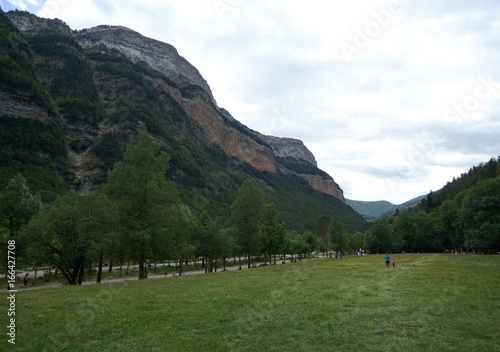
[
  {"x": 17, "y": 104},
  {"x": 157, "y": 55},
  {"x": 325, "y": 185},
  {"x": 290, "y": 148}
]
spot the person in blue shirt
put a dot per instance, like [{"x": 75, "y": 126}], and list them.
[{"x": 387, "y": 260}]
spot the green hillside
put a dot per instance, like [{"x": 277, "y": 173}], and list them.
[
  {"x": 462, "y": 216},
  {"x": 483, "y": 171},
  {"x": 374, "y": 210}
]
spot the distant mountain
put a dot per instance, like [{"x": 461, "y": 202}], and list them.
[
  {"x": 71, "y": 102},
  {"x": 374, "y": 210}
]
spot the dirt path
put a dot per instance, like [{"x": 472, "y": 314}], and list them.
[{"x": 108, "y": 279}]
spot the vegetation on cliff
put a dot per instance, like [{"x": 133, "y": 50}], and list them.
[
  {"x": 17, "y": 74},
  {"x": 38, "y": 151}
]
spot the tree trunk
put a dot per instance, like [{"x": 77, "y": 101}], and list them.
[
  {"x": 99, "y": 269},
  {"x": 110, "y": 264},
  {"x": 80, "y": 272},
  {"x": 249, "y": 262},
  {"x": 143, "y": 273},
  {"x": 36, "y": 270}
]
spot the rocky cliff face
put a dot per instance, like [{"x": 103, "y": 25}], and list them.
[
  {"x": 157, "y": 55},
  {"x": 177, "y": 80},
  {"x": 325, "y": 185},
  {"x": 290, "y": 148}
]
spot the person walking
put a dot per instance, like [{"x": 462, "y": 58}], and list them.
[
  {"x": 340, "y": 256},
  {"x": 387, "y": 259},
  {"x": 25, "y": 281},
  {"x": 393, "y": 262}
]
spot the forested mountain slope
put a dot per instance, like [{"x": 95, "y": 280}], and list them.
[
  {"x": 71, "y": 101},
  {"x": 463, "y": 215},
  {"x": 376, "y": 209}
]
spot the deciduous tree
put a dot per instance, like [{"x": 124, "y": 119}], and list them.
[
  {"x": 138, "y": 186},
  {"x": 17, "y": 206},
  {"x": 245, "y": 217},
  {"x": 72, "y": 231}
]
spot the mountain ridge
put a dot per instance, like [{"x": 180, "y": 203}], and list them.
[
  {"x": 165, "y": 59},
  {"x": 100, "y": 93},
  {"x": 373, "y": 210}
]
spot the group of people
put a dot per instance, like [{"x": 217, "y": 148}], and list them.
[
  {"x": 388, "y": 261},
  {"x": 337, "y": 255}
]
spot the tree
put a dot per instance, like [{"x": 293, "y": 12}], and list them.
[
  {"x": 17, "y": 206},
  {"x": 202, "y": 235},
  {"x": 480, "y": 214},
  {"x": 298, "y": 244},
  {"x": 381, "y": 233},
  {"x": 322, "y": 231},
  {"x": 212, "y": 242},
  {"x": 273, "y": 234},
  {"x": 138, "y": 186},
  {"x": 221, "y": 246},
  {"x": 311, "y": 240},
  {"x": 406, "y": 228},
  {"x": 72, "y": 231},
  {"x": 356, "y": 242},
  {"x": 245, "y": 217},
  {"x": 181, "y": 226},
  {"x": 335, "y": 235}
]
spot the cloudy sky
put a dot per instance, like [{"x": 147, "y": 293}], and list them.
[{"x": 393, "y": 97}]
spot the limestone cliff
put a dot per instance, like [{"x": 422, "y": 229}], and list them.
[
  {"x": 290, "y": 148},
  {"x": 157, "y": 55},
  {"x": 171, "y": 80},
  {"x": 325, "y": 185}
]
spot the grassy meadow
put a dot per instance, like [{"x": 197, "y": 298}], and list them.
[{"x": 428, "y": 302}]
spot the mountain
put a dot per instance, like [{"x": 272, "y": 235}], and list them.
[
  {"x": 71, "y": 102},
  {"x": 374, "y": 210}
]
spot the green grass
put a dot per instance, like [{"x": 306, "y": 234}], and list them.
[{"x": 429, "y": 302}]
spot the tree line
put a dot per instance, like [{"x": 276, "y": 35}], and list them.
[
  {"x": 463, "y": 215},
  {"x": 137, "y": 216}
]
